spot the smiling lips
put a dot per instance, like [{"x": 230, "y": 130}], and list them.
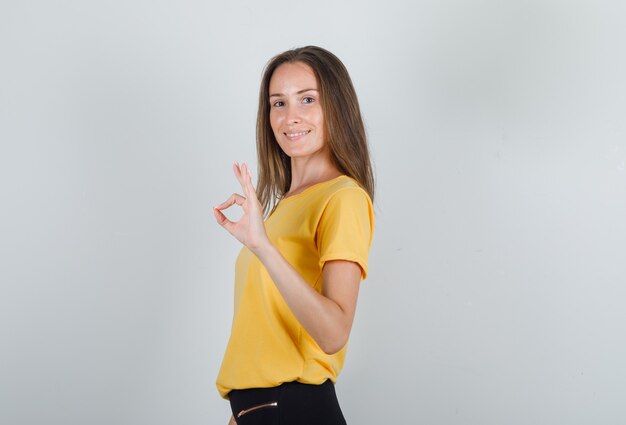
[{"x": 296, "y": 135}]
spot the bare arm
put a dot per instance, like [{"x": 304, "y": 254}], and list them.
[{"x": 328, "y": 316}]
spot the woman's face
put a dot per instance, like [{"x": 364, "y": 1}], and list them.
[{"x": 296, "y": 113}]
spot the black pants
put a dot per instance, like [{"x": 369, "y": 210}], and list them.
[{"x": 291, "y": 403}]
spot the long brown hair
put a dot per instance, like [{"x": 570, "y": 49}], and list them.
[{"x": 343, "y": 126}]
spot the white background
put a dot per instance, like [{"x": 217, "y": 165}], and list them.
[{"x": 497, "y": 282}]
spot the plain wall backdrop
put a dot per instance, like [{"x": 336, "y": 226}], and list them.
[{"x": 497, "y": 284}]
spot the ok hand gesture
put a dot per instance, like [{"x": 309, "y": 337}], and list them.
[{"x": 249, "y": 229}]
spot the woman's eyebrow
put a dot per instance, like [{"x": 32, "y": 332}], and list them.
[{"x": 299, "y": 92}]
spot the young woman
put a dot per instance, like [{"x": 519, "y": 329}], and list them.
[{"x": 297, "y": 277}]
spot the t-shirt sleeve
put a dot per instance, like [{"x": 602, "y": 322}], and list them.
[{"x": 346, "y": 228}]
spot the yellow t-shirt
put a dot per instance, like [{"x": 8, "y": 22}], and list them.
[{"x": 332, "y": 220}]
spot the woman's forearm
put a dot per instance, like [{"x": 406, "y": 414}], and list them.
[{"x": 323, "y": 318}]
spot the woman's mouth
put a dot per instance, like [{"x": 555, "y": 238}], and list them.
[{"x": 298, "y": 134}]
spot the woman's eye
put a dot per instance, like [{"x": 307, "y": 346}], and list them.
[
  {"x": 308, "y": 100},
  {"x": 278, "y": 103}
]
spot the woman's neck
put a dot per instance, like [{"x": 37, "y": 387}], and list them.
[{"x": 306, "y": 172}]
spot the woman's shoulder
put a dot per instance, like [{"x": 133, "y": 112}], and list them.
[
  {"x": 344, "y": 181},
  {"x": 344, "y": 194},
  {"x": 345, "y": 186}
]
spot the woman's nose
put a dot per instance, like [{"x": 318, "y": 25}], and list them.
[{"x": 293, "y": 115}]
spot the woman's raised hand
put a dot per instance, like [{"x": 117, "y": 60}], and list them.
[{"x": 249, "y": 229}]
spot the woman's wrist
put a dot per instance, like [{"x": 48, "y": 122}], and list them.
[{"x": 264, "y": 251}]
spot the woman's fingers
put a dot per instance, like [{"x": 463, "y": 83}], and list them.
[
  {"x": 235, "y": 198},
  {"x": 242, "y": 172},
  {"x": 249, "y": 229},
  {"x": 239, "y": 173},
  {"x": 248, "y": 187},
  {"x": 248, "y": 178},
  {"x": 220, "y": 217},
  {"x": 223, "y": 221},
  {"x": 245, "y": 177}
]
